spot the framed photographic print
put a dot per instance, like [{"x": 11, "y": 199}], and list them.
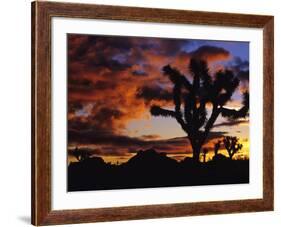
[{"x": 146, "y": 113}]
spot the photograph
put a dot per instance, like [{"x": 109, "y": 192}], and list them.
[{"x": 148, "y": 112}]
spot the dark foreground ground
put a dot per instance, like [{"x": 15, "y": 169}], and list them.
[{"x": 151, "y": 169}]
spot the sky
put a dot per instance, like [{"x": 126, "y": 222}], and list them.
[{"x": 113, "y": 81}]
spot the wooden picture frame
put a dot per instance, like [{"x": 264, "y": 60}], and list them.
[{"x": 42, "y": 13}]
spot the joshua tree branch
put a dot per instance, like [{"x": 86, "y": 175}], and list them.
[
  {"x": 200, "y": 114},
  {"x": 158, "y": 111},
  {"x": 176, "y": 77},
  {"x": 177, "y": 97},
  {"x": 215, "y": 113}
]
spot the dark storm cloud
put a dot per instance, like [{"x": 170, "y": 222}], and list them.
[
  {"x": 240, "y": 64},
  {"x": 102, "y": 61},
  {"x": 243, "y": 75},
  {"x": 117, "y": 53},
  {"x": 154, "y": 93},
  {"x": 79, "y": 123},
  {"x": 97, "y": 137},
  {"x": 81, "y": 48},
  {"x": 104, "y": 85},
  {"x": 139, "y": 73},
  {"x": 150, "y": 137},
  {"x": 210, "y": 53},
  {"x": 95, "y": 53},
  {"x": 107, "y": 113},
  {"x": 102, "y": 137},
  {"x": 231, "y": 123},
  {"x": 171, "y": 47},
  {"x": 240, "y": 68},
  {"x": 102, "y": 120},
  {"x": 82, "y": 44},
  {"x": 112, "y": 144},
  {"x": 74, "y": 106},
  {"x": 88, "y": 86},
  {"x": 79, "y": 85}
]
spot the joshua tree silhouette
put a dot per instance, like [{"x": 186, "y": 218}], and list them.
[
  {"x": 205, "y": 151},
  {"x": 194, "y": 97},
  {"x": 232, "y": 145}
]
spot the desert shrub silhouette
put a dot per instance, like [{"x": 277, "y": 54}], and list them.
[{"x": 191, "y": 99}]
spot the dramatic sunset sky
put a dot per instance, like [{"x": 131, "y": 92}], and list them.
[{"x": 113, "y": 81}]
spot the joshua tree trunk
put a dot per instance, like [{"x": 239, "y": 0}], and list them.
[{"x": 196, "y": 153}]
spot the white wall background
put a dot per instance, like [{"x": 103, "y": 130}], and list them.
[{"x": 15, "y": 112}]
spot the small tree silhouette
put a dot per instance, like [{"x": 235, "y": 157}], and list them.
[
  {"x": 205, "y": 151},
  {"x": 217, "y": 146},
  {"x": 232, "y": 145},
  {"x": 194, "y": 97}
]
